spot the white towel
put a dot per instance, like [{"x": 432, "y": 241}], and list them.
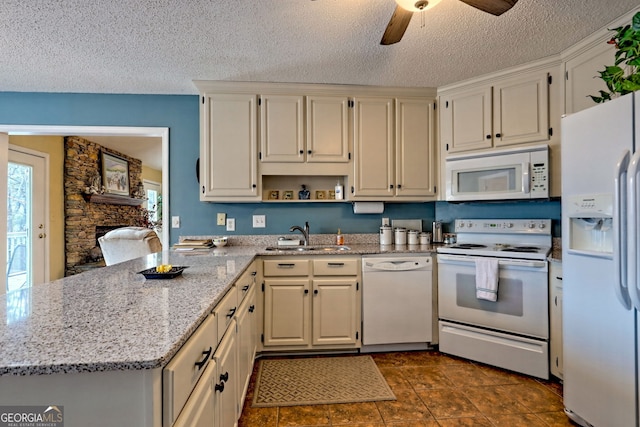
[{"x": 487, "y": 279}]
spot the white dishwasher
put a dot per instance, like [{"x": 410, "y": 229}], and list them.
[{"x": 398, "y": 302}]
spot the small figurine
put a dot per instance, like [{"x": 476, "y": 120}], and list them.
[
  {"x": 304, "y": 194},
  {"x": 96, "y": 186}
]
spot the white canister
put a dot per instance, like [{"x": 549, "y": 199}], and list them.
[
  {"x": 412, "y": 237},
  {"x": 400, "y": 236},
  {"x": 386, "y": 236},
  {"x": 425, "y": 238}
]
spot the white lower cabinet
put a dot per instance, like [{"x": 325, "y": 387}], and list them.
[
  {"x": 311, "y": 303},
  {"x": 555, "y": 318},
  {"x": 226, "y": 388},
  {"x": 247, "y": 342},
  {"x": 199, "y": 410}
]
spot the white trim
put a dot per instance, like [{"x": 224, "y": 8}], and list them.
[
  {"x": 159, "y": 132},
  {"x": 47, "y": 189}
]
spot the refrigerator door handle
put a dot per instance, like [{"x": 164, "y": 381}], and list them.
[
  {"x": 632, "y": 229},
  {"x": 620, "y": 231}
]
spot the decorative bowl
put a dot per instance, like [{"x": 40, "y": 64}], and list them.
[
  {"x": 219, "y": 242},
  {"x": 151, "y": 273}
]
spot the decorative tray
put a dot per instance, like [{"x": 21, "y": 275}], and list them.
[{"x": 151, "y": 273}]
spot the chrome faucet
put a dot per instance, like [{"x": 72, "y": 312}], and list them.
[{"x": 304, "y": 231}]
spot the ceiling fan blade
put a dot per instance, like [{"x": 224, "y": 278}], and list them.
[
  {"x": 494, "y": 7},
  {"x": 397, "y": 26}
]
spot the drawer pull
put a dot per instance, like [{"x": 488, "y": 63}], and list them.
[
  {"x": 335, "y": 264},
  {"x": 252, "y": 308},
  {"x": 224, "y": 377},
  {"x": 219, "y": 387},
  {"x": 245, "y": 288},
  {"x": 283, "y": 265},
  {"x": 203, "y": 362},
  {"x": 231, "y": 312},
  {"x": 253, "y": 273}
]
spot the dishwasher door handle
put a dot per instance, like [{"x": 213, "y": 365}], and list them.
[{"x": 404, "y": 265}]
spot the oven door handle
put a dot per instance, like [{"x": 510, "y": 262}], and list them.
[{"x": 502, "y": 262}]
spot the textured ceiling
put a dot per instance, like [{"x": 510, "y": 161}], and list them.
[{"x": 160, "y": 46}]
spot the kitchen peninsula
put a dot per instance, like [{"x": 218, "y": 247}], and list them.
[{"x": 96, "y": 343}]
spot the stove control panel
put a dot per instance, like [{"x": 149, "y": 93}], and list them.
[{"x": 503, "y": 226}]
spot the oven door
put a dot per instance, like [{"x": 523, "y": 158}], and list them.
[{"x": 522, "y": 304}]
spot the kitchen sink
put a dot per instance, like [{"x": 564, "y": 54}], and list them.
[{"x": 307, "y": 248}]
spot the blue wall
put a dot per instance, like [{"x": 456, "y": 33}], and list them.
[{"x": 180, "y": 114}]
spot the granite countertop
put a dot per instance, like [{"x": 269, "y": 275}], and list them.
[{"x": 114, "y": 319}]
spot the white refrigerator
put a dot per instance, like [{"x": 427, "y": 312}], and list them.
[{"x": 600, "y": 258}]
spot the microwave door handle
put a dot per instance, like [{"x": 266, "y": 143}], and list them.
[
  {"x": 620, "y": 231},
  {"x": 526, "y": 178},
  {"x": 632, "y": 230}
]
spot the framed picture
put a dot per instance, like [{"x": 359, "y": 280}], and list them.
[
  {"x": 287, "y": 195},
  {"x": 332, "y": 194},
  {"x": 321, "y": 195},
  {"x": 274, "y": 195},
  {"x": 115, "y": 174}
]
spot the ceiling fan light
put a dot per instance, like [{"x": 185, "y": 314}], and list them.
[{"x": 417, "y": 5}]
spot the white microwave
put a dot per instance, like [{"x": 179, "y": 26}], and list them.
[{"x": 510, "y": 174}]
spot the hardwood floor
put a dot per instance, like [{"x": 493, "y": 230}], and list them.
[{"x": 432, "y": 389}]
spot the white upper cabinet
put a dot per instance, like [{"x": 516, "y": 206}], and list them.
[
  {"x": 513, "y": 110},
  {"x": 282, "y": 128},
  {"x": 284, "y": 139},
  {"x": 582, "y": 76},
  {"x": 394, "y": 149},
  {"x": 328, "y": 129},
  {"x": 228, "y": 149}
]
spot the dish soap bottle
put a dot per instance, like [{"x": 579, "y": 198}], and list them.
[
  {"x": 338, "y": 191},
  {"x": 339, "y": 238}
]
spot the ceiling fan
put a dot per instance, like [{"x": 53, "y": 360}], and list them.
[{"x": 406, "y": 8}]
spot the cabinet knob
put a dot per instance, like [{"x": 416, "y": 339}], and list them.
[
  {"x": 399, "y": 186},
  {"x": 498, "y": 135},
  {"x": 203, "y": 189},
  {"x": 253, "y": 185},
  {"x": 306, "y": 291},
  {"x": 219, "y": 387},
  {"x": 315, "y": 291},
  {"x": 390, "y": 186},
  {"x": 224, "y": 377},
  {"x": 488, "y": 136},
  {"x": 301, "y": 151},
  {"x": 309, "y": 152},
  {"x": 252, "y": 308}
]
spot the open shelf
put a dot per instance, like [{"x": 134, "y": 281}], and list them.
[{"x": 285, "y": 188}]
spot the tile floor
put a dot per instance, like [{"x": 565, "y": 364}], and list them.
[{"x": 432, "y": 389}]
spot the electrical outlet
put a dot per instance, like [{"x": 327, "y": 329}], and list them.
[
  {"x": 259, "y": 221},
  {"x": 231, "y": 224},
  {"x": 175, "y": 222},
  {"x": 222, "y": 218}
]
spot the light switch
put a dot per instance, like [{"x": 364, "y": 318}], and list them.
[
  {"x": 231, "y": 224},
  {"x": 259, "y": 221},
  {"x": 222, "y": 218},
  {"x": 175, "y": 222}
]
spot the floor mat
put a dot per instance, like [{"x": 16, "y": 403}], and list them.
[{"x": 319, "y": 380}]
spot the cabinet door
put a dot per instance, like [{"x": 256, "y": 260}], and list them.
[
  {"x": 228, "y": 152},
  {"x": 246, "y": 321},
  {"x": 335, "y": 314},
  {"x": 582, "y": 76},
  {"x": 328, "y": 129},
  {"x": 373, "y": 144},
  {"x": 415, "y": 149},
  {"x": 555, "y": 345},
  {"x": 466, "y": 120},
  {"x": 226, "y": 394},
  {"x": 281, "y": 128},
  {"x": 521, "y": 110},
  {"x": 286, "y": 312},
  {"x": 199, "y": 410}
]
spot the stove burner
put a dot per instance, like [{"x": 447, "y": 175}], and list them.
[
  {"x": 527, "y": 249},
  {"x": 468, "y": 246}
]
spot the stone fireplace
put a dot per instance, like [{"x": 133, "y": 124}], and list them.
[{"x": 84, "y": 220}]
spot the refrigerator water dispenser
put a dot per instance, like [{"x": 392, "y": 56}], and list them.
[{"x": 591, "y": 224}]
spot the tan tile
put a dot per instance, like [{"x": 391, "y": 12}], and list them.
[
  {"x": 352, "y": 413},
  {"x": 555, "y": 419},
  {"x": 467, "y": 376},
  {"x": 408, "y": 407},
  {"x": 426, "y": 377},
  {"x": 501, "y": 376},
  {"x": 430, "y": 358},
  {"x": 516, "y": 420},
  {"x": 394, "y": 378},
  {"x": 314, "y": 415},
  {"x": 265, "y": 417},
  {"x": 363, "y": 425},
  {"x": 536, "y": 397},
  {"x": 422, "y": 423},
  {"x": 492, "y": 401},
  {"x": 447, "y": 403},
  {"x": 396, "y": 358},
  {"x": 465, "y": 422}
]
